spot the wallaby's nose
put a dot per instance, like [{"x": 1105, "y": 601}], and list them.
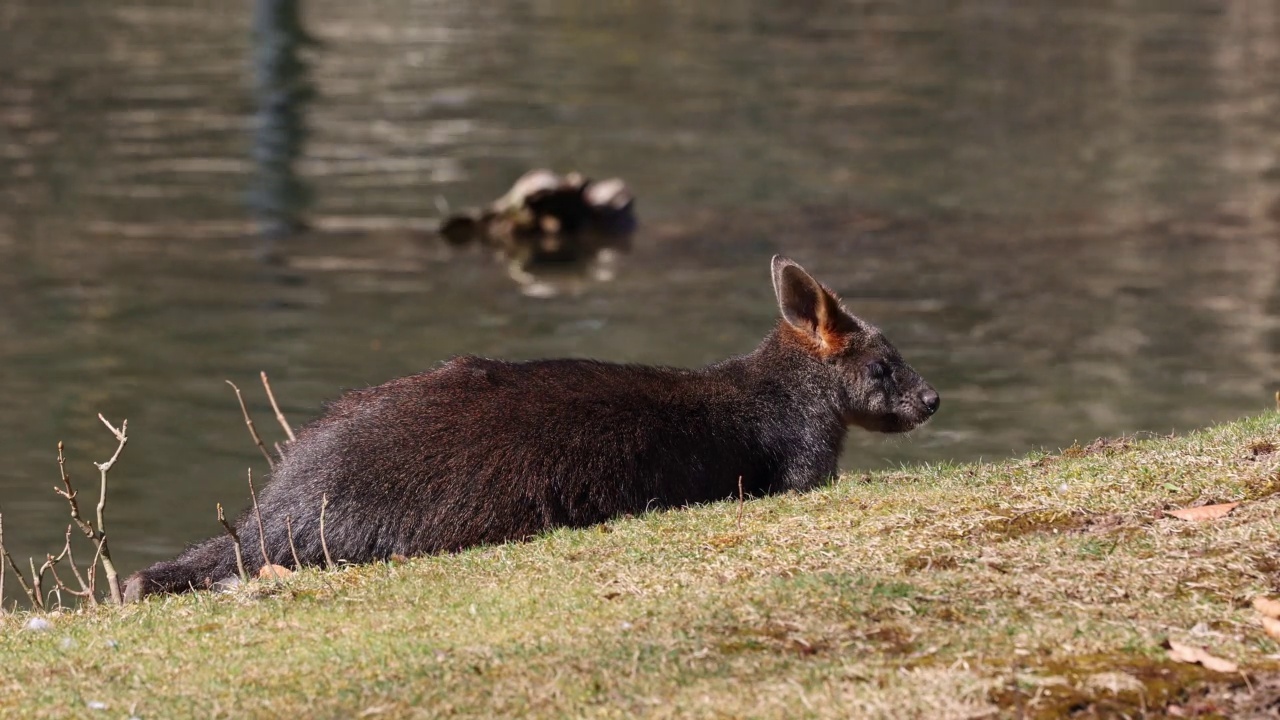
[{"x": 931, "y": 400}]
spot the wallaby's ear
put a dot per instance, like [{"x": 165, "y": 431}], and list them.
[{"x": 810, "y": 308}]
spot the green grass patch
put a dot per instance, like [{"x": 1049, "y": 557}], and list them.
[{"x": 1038, "y": 587}]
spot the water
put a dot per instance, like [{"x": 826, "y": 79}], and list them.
[{"x": 1066, "y": 218}]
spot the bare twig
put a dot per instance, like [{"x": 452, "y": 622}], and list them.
[
  {"x": 324, "y": 503},
  {"x": 288, "y": 524},
  {"x": 86, "y": 526},
  {"x": 37, "y": 593},
  {"x": 86, "y": 590},
  {"x": 61, "y": 587},
  {"x": 113, "y": 578},
  {"x": 279, "y": 415},
  {"x": 17, "y": 570},
  {"x": 262, "y": 533},
  {"x": 253, "y": 431},
  {"x": 37, "y": 576},
  {"x": 741, "y": 503},
  {"x": 235, "y": 540},
  {"x": 93, "y": 570}
]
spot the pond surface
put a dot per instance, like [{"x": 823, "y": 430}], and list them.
[{"x": 1066, "y": 219}]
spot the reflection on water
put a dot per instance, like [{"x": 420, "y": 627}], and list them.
[
  {"x": 282, "y": 89},
  {"x": 1065, "y": 216}
]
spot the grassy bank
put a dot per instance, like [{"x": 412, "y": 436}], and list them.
[{"x": 1035, "y": 586}]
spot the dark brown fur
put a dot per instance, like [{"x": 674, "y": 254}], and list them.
[{"x": 485, "y": 451}]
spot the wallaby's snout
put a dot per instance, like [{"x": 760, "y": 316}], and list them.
[
  {"x": 895, "y": 399},
  {"x": 929, "y": 398}
]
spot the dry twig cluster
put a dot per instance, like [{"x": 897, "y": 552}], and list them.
[
  {"x": 43, "y": 596},
  {"x": 87, "y": 581},
  {"x": 269, "y": 568}
]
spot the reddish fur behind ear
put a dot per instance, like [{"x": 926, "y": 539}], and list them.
[
  {"x": 833, "y": 333},
  {"x": 811, "y": 313},
  {"x": 837, "y": 329}
]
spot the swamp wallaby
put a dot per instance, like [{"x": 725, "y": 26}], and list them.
[{"x": 484, "y": 451}]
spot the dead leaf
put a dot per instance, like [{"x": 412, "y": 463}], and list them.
[
  {"x": 1261, "y": 448},
  {"x": 1272, "y": 626},
  {"x": 1179, "y": 652},
  {"x": 1267, "y": 606},
  {"x": 727, "y": 540},
  {"x": 274, "y": 571},
  {"x": 1204, "y": 512}
]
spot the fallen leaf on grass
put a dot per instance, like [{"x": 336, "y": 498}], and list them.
[
  {"x": 1204, "y": 512},
  {"x": 274, "y": 571},
  {"x": 1261, "y": 448},
  {"x": 1179, "y": 652},
  {"x": 1272, "y": 626},
  {"x": 1267, "y": 606},
  {"x": 725, "y": 541}
]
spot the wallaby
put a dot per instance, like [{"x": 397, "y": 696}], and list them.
[{"x": 484, "y": 451}]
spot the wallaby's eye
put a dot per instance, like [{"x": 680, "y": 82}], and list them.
[{"x": 877, "y": 370}]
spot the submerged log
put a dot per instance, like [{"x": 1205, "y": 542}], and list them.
[{"x": 548, "y": 221}]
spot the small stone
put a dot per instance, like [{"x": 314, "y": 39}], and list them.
[
  {"x": 96, "y": 705},
  {"x": 67, "y": 643},
  {"x": 227, "y": 585},
  {"x": 37, "y": 624},
  {"x": 625, "y": 625}
]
